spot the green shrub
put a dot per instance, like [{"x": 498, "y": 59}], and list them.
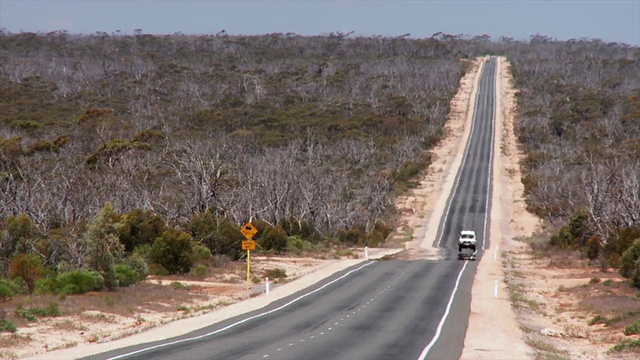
[
  {"x": 274, "y": 238},
  {"x": 28, "y": 267},
  {"x": 25, "y": 313},
  {"x": 20, "y": 227},
  {"x": 174, "y": 251},
  {"x": 51, "y": 310},
  {"x": 303, "y": 229},
  {"x": 598, "y": 319},
  {"x": 593, "y": 248},
  {"x": 84, "y": 280},
  {"x": 203, "y": 227},
  {"x": 199, "y": 271},
  {"x": 126, "y": 275},
  {"x": 629, "y": 260},
  {"x": 635, "y": 277},
  {"x": 158, "y": 270},
  {"x": 201, "y": 254},
  {"x": 140, "y": 227},
  {"x": 220, "y": 235},
  {"x": 625, "y": 345},
  {"x": 72, "y": 282},
  {"x": 176, "y": 285},
  {"x": 378, "y": 235},
  {"x": 20, "y": 286},
  {"x": 354, "y": 236},
  {"x": 7, "y": 326},
  {"x": 295, "y": 244},
  {"x": 633, "y": 328},
  {"x": 6, "y": 292},
  {"x": 276, "y": 273},
  {"x": 137, "y": 263}
]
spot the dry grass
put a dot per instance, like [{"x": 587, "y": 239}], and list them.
[
  {"x": 67, "y": 325},
  {"x": 561, "y": 291},
  {"x": 109, "y": 315},
  {"x": 7, "y": 340}
]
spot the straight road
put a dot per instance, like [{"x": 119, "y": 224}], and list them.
[{"x": 385, "y": 309}]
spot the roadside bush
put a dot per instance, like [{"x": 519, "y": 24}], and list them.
[
  {"x": 221, "y": 236},
  {"x": 378, "y": 235},
  {"x": 6, "y": 292},
  {"x": 593, "y": 248},
  {"x": 158, "y": 270},
  {"x": 301, "y": 228},
  {"x": 16, "y": 230},
  {"x": 625, "y": 345},
  {"x": 19, "y": 286},
  {"x": 140, "y": 227},
  {"x": 174, "y": 251},
  {"x": 33, "y": 313},
  {"x": 201, "y": 254},
  {"x": 72, "y": 282},
  {"x": 633, "y": 328},
  {"x": 296, "y": 245},
  {"x": 354, "y": 236},
  {"x": 126, "y": 275},
  {"x": 598, "y": 319},
  {"x": 28, "y": 267},
  {"x": 275, "y": 239},
  {"x": 628, "y": 262},
  {"x": 137, "y": 263},
  {"x": 203, "y": 227},
  {"x": 274, "y": 274},
  {"x": 635, "y": 278},
  {"x": 177, "y": 285},
  {"x": 7, "y": 326},
  {"x": 199, "y": 271}
]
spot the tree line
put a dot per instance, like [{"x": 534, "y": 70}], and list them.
[
  {"x": 112, "y": 143},
  {"x": 579, "y": 122}
]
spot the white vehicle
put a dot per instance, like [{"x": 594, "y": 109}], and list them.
[{"x": 467, "y": 245}]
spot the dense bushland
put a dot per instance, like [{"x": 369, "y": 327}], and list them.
[
  {"x": 579, "y": 122},
  {"x": 138, "y": 151}
]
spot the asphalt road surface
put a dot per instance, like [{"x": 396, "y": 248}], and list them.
[{"x": 384, "y": 309}]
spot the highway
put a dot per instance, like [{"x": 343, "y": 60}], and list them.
[{"x": 385, "y": 309}]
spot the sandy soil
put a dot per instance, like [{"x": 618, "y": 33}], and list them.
[{"x": 497, "y": 328}]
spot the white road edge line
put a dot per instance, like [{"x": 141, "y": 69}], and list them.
[
  {"x": 241, "y": 321},
  {"x": 490, "y": 172},
  {"x": 424, "y": 353}
]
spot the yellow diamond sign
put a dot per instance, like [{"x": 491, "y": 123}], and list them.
[{"x": 248, "y": 230}]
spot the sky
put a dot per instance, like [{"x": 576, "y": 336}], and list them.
[{"x": 607, "y": 20}]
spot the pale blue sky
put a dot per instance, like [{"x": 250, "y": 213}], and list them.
[{"x": 608, "y": 20}]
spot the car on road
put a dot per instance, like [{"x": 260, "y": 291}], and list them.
[{"x": 467, "y": 244}]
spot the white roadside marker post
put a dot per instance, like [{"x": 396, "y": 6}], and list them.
[
  {"x": 495, "y": 289},
  {"x": 366, "y": 252},
  {"x": 266, "y": 283}
]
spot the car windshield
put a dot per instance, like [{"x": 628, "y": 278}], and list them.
[{"x": 467, "y": 236}]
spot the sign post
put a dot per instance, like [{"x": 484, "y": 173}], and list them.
[{"x": 248, "y": 230}]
